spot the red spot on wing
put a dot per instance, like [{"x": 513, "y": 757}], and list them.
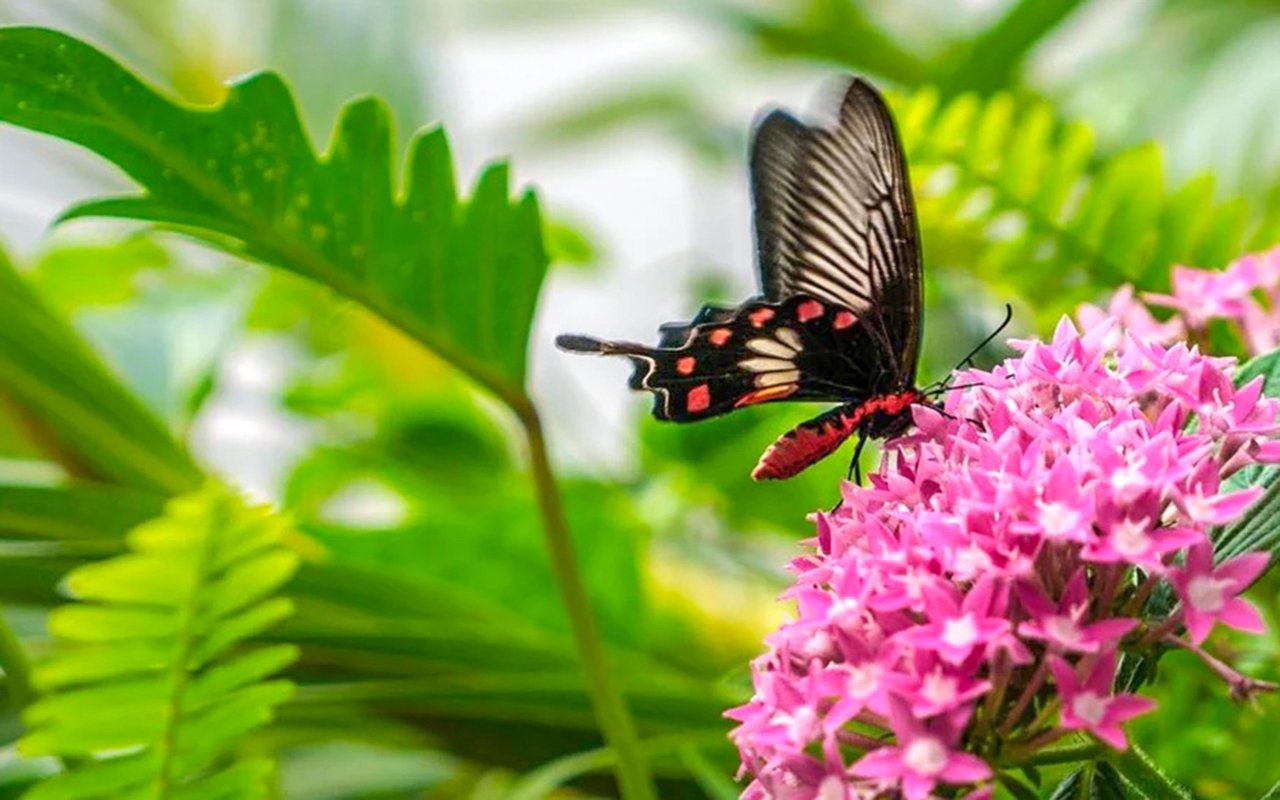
[
  {"x": 685, "y": 365},
  {"x": 698, "y": 399},
  {"x": 760, "y": 316},
  {"x": 720, "y": 335},
  {"x": 809, "y": 309},
  {"x": 806, "y": 444},
  {"x": 844, "y": 319}
]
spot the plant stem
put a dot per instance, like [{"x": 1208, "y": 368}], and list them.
[
  {"x": 611, "y": 711},
  {"x": 17, "y": 669},
  {"x": 542, "y": 781},
  {"x": 1138, "y": 769}
]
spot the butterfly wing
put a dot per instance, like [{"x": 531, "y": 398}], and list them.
[
  {"x": 800, "y": 349},
  {"x": 835, "y": 221}
]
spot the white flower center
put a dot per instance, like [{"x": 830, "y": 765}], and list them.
[
  {"x": 1058, "y": 519},
  {"x": 960, "y": 632},
  {"x": 1063, "y": 630},
  {"x": 1129, "y": 477},
  {"x": 831, "y": 788},
  {"x": 864, "y": 680},
  {"x": 818, "y": 645},
  {"x": 801, "y": 724},
  {"x": 938, "y": 689},
  {"x": 1130, "y": 538},
  {"x": 1198, "y": 507},
  {"x": 1090, "y": 707},
  {"x": 925, "y": 756},
  {"x": 914, "y": 581},
  {"x": 1207, "y": 593}
]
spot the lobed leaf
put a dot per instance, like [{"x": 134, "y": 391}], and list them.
[{"x": 460, "y": 276}]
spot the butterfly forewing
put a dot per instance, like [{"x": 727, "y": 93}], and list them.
[{"x": 835, "y": 221}]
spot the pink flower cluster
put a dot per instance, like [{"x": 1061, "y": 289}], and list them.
[
  {"x": 968, "y": 607},
  {"x": 1246, "y": 295}
]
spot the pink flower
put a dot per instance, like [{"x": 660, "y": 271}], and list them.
[
  {"x": 923, "y": 758},
  {"x": 1063, "y": 625},
  {"x": 1027, "y": 519},
  {"x": 959, "y": 627},
  {"x": 1246, "y": 294},
  {"x": 1209, "y": 594},
  {"x": 1134, "y": 318},
  {"x": 1090, "y": 705}
]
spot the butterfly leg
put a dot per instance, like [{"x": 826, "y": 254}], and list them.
[{"x": 855, "y": 465}]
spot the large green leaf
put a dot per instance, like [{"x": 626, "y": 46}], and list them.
[
  {"x": 1008, "y": 190},
  {"x": 47, "y": 530},
  {"x": 74, "y": 406},
  {"x": 461, "y": 277},
  {"x": 149, "y": 686}
]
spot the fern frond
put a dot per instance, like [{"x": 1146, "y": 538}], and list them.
[
  {"x": 148, "y": 686},
  {"x": 1026, "y": 200}
]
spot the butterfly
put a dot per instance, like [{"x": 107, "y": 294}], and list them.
[{"x": 839, "y": 318}]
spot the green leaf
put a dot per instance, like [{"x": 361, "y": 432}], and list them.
[
  {"x": 833, "y": 30},
  {"x": 75, "y": 409},
  {"x": 1134, "y": 775},
  {"x": 1031, "y": 208},
  {"x": 1096, "y": 781},
  {"x": 1259, "y": 527},
  {"x": 991, "y": 61},
  {"x": 74, "y": 511},
  {"x": 461, "y": 276},
  {"x": 144, "y": 693},
  {"x": 1017, "y": 788}
]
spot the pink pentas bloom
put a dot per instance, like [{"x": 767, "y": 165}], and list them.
[
  {"x": 1134, "y": 317},
  {"x": 1061, "y": 625},
  {"x": 1090, "y": 705},
  {"x": 998, "y": 563},
  {"x": 1208, "y": 593},
  {"x": 1246, "y": 295},
  {"x": 924, "y": 756}
]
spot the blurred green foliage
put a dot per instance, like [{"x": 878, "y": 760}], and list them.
[{"x": 434, "y": 653}]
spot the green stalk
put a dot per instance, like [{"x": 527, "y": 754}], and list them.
[
  {"x": 544, "y": 780},
  {"x": 17, "y": 669},
  {"x": 611, "y": 711},
  {"x": 1138, "y": 769}
]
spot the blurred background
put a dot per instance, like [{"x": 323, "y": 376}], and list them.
[{"x": 631, "y": 118}]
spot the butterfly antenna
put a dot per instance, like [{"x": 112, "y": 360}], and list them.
[{"x": 1008, "y": 317}]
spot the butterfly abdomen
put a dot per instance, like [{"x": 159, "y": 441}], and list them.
[{"x": 811, "y": 441}]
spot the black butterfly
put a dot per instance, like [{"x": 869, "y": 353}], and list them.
[{"x": 840, "y": 314}]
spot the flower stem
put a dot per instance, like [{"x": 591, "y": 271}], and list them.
[
  {"x": 1138, "y": 769},
  {"x": 619, "y": 731},
  {"x": 17, "y": 670}
]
